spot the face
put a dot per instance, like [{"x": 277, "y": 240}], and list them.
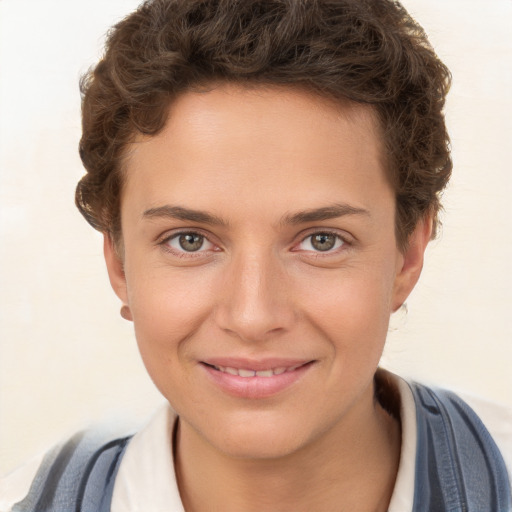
[{"x": 260, "y": 265}]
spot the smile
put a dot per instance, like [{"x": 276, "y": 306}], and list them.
[
  {"x": 256, "y": 380},
  {"x": 241, "y": 372}
]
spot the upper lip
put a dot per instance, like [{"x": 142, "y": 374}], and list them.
[{"x": 255, "y": 364}]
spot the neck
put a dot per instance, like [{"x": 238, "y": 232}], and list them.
[{"x": 351, "y": 467}]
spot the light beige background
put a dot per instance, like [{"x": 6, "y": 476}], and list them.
[{"x": 66, "y": 356}]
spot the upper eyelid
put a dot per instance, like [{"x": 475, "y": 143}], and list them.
[
  {"x": 343, "y": 235},
  {"x": 324, "y": 233},
  {"x": 172, "y": 233}
]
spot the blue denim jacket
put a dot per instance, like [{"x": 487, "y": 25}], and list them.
[{"x": 458, "y": 466}]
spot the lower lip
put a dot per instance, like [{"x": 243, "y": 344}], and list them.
[{"x": 256, "y": 387}]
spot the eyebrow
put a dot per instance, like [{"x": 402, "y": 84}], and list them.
[
  {"x": 325, "y": 213},
  {"x": 301, "y": 217},
  {"x": 181, "y": 213}
]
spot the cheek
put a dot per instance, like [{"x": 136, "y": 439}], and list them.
[
  {"x": 352, "y": 307},
  {"x": 167, "y": 308}
]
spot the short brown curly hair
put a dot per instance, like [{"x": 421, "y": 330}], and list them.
[{"x": 365, "y": 51}]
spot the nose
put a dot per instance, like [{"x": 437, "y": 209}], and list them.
[{"x": 256, "y": 298}]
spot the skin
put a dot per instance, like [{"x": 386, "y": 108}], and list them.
[{"x": 270, "y": 167}]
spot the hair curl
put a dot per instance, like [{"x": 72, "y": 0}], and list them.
[{"x": 366, "y": 51}]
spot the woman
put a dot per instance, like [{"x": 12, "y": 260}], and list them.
[{"x": 267, "y": 178}]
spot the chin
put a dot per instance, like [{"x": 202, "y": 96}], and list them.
[{"x": 260, "y": 437}]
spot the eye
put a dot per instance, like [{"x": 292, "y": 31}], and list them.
[
  {"x": 321, "y": 242},
  {"x": 189, "y": 242}
]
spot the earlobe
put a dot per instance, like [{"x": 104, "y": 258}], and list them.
[
  {"x": 126, "y": 313},
  {"x": 115, "y": 268},
  {"x": 411, "y": 262}
]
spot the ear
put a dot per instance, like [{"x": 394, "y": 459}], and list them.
[
  {"x": 411, "y": 262},
  {"x": 115, "y": 269}
]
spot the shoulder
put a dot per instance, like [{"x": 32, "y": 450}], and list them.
[
  {"x": 475, "y": 412},
  {"x": 463, "y": 450},
  {"x": 80, "y": 470},
  {"x": 497, "y": 419}
]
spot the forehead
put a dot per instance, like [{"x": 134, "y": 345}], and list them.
[
  {"x": 231, "y": 109},
  {"x": 235, "y": 143}
]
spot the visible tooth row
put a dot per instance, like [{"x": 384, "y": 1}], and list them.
[{"x": 253, "y": 373}]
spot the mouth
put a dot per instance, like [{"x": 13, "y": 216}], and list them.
[
  {"x": 255, "y": 380},
  {"x": 247, "y": 373}
]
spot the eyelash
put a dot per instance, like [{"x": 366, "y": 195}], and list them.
[
  {"x": 342, "y": 240},
  {"x": 165, "y": 244},
  {"x": 165, "y": 241}
]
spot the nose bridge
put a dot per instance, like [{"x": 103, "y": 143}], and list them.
[{"x": 255, "y": 301}]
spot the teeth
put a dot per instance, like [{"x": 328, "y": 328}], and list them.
[
  {"x": 265, "y": 373},
  {"x": 253, "y": 373},
  {"x": 246, "y": 373}
]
